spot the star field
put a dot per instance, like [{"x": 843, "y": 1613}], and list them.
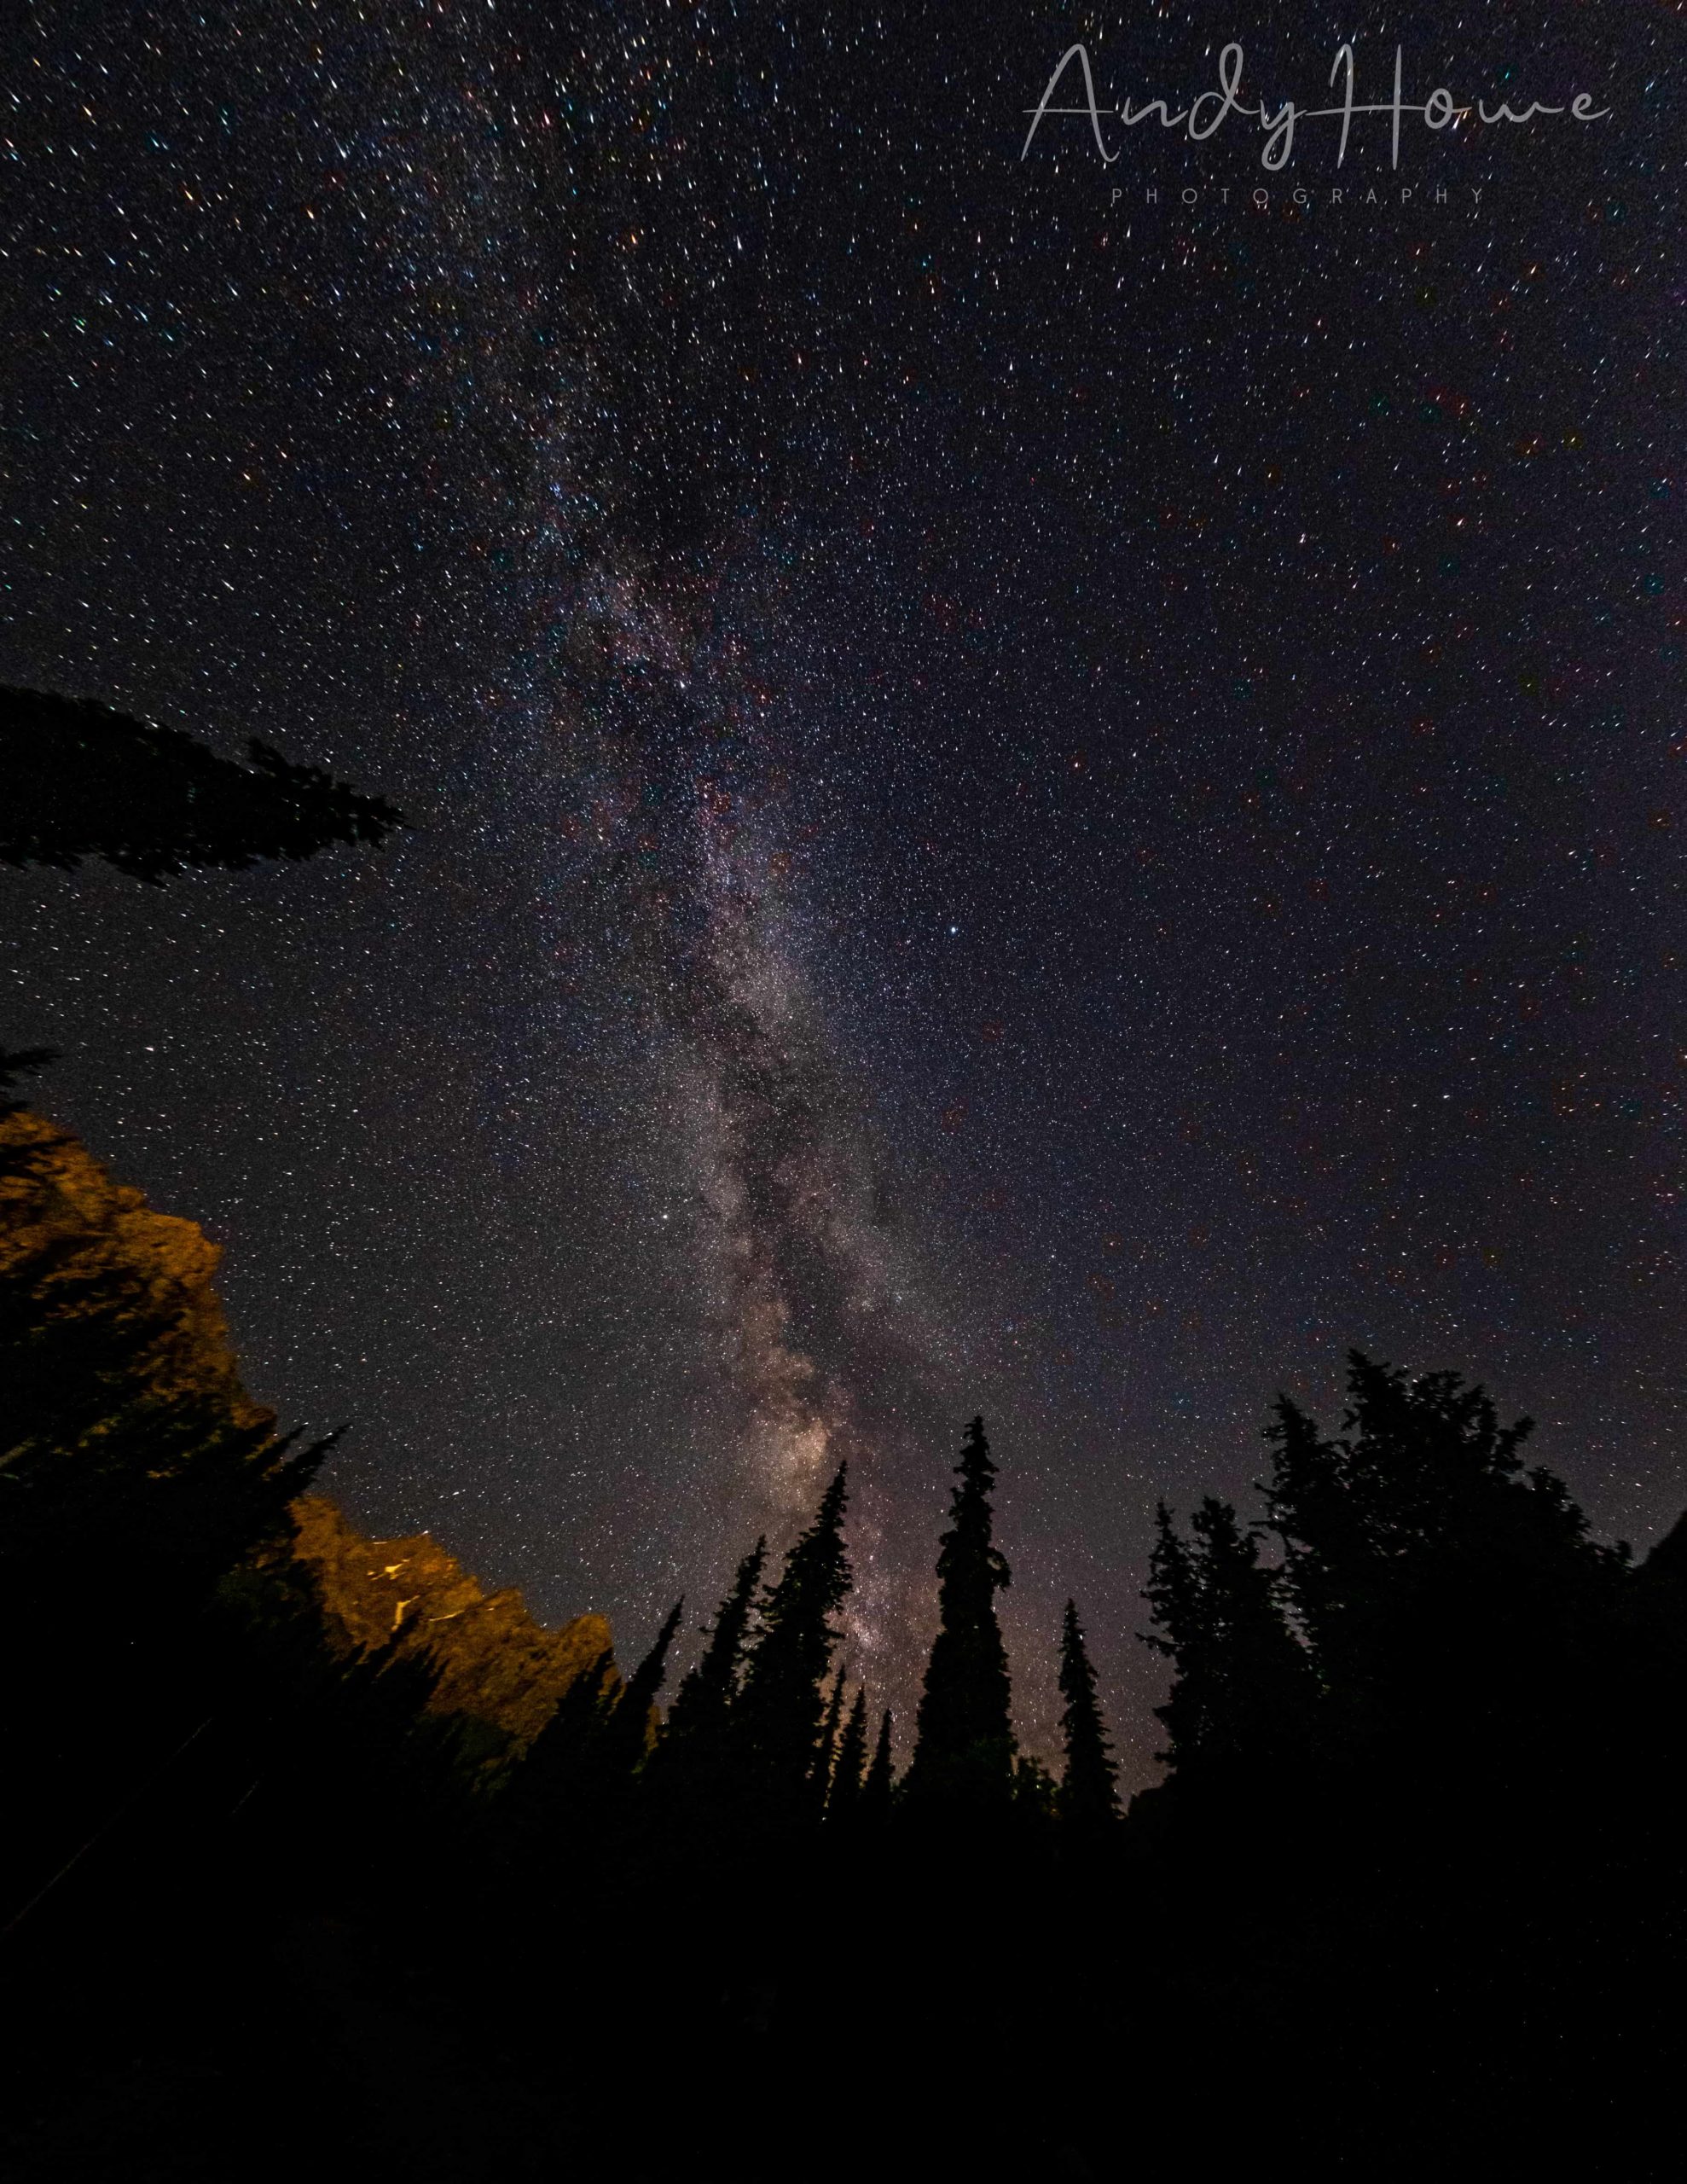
[{"x": 1021, "y": 802}]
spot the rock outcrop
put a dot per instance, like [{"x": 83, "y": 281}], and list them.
[
  {"x": 114, "y": 1299},
  {"x": 492, "y": 1661},
  {"x": 108, "y": 1316}
]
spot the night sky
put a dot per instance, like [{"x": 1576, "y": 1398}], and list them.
[{"x": 1019, "y": 803}]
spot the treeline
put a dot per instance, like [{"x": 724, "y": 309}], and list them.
[
  {"x": 1419, "y": 1628},
  {"x": 1420, "y": 1826},
  {"x": 765, "y": 1739},
  {"x": 148, "y": 1522}
]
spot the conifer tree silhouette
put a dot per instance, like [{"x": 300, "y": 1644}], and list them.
[
  {"x": 1447, "y": 1594},
  {"x": 826, "y": 1754},
  {"x": 1241, "y": 1683},
  {"x": 1087, "y": 1799},
  {"x": 552, "y": 1783},
  {"x": 878, "y": 1788},
  {"x": 78, "y": 780},
  {"x": 625, "y": 1732},
  {"x": 844, "y": 1803},
  {"x": 705, "y": 1698},
  {"x": 694, "y": 1768},
  {"x": 964, "y": 1747},
  {"x": 776, "y": 1717}
]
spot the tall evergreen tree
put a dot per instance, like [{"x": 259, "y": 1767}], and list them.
[
  {"x": 878, "y": 1788},
  {"x": 707, "y": 1690},
  {"x": 557, "y": 1757},
  {"x": 844, "y": 1803},
  {"x": 1447, "y": 1594},
  {"x": 693, "y": 1770},
  {"x": 1241, "y": 1684},
  {"x": 776, "y": 1717},
  {"x": 625, "y": 1734},
  {"x": 964, "y": 1749},
  {"x": 1088, "y": 1797},
  {"x": 825, "y": 1756}
]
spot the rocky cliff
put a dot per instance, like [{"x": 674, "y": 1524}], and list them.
[
  {"x": 106, "y": 1304},
  {"x": 108, "y": 1314},
  {"x": 494, "y": 1662}
]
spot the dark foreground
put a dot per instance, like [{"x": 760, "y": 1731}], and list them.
[{"x": 943, "y": 2012}]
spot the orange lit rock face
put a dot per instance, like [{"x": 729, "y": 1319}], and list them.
[
  {"x": 494, "y": 1660},
  {"x": 75, "y": 1244}
]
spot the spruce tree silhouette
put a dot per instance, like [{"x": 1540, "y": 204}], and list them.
[
  {"x": 825, "y": 1756},
  {"x": 879, "y": 1788},
  {"x": 1450, "y": 1598},
  {"x": 964, "y": 1748},
  {"x": 121, "y": 1401},
  {"x": 358, "y": 1736},
  {"x": 706, "y": 1692},
  {"x": 1088, "y": 1799},
  {"x": 625, "y": 1733},
  {"x": 551, "y": 1792},
  {"x": 691, "y": 1776},
  {"x": 842, "y": 1804},
  {"x": 78, "y": 780},
  {"x": 1241, "y": 1685},
  {"x": 776, "y": 1717}
]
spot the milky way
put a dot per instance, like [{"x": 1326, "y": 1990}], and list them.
[
  {"x": 1023, "y": 802},
  {"x": 809, "y": 1284}
]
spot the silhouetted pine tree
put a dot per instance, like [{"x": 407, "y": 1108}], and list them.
[
  {"x": 1088, "y": 1797},
  {"x": 1241, "y": 1685},
  {"x": 776, "y": 1717},
  {"x": 964, "y": 1749},
  {"x": 826, "y": 1754},
  {"x": 354, "y": 1736},
  {"x": 878, "y": 1789},
  {"x": 1451, "y": 1601},
  {"x": 844, "y": 1802},
  {"x": 549, "y": 1788},
  {"x": 82, "y": 780},
  {"x": 707, "y": 1690},
  {"x": 623, "y": 1737}
]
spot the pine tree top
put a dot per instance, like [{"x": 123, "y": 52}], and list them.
[
  {"x": 965, "y": 1746},
  {"x": 1087, "y": 1796},
  {"x": 966, "y": 1554},
  {"x": 780, "y": 1706}
]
